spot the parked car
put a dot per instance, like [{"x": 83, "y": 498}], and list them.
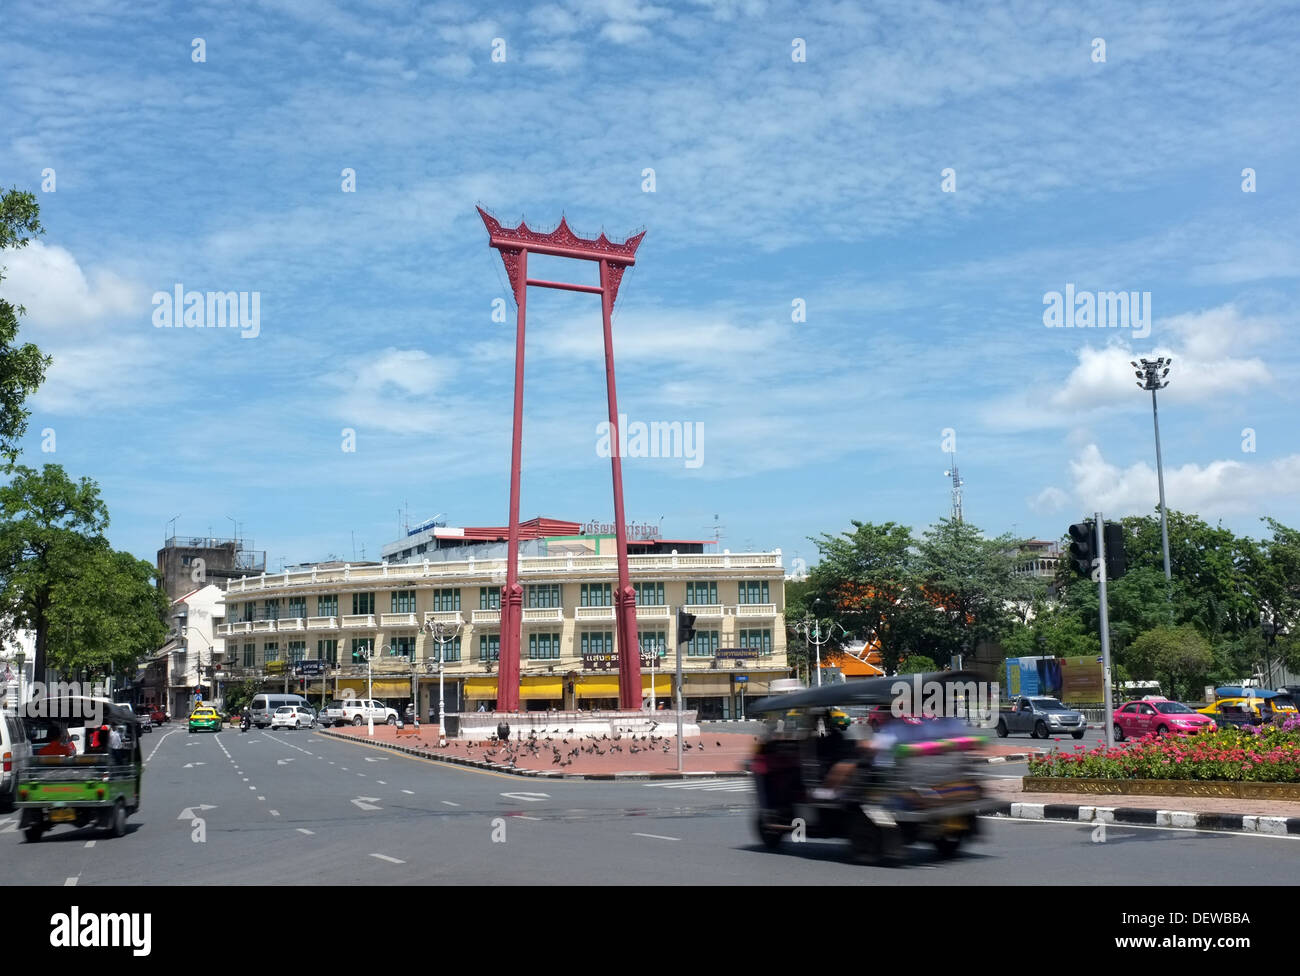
[
  {"x": 14, "y": 752},
  {"x": 141, "y": 715},
  {"x": 1159, "y": 716},
  {"x": 331, "y": 714},
  {"x": 158, "y": 715},
  {"x": 359, "y": 711},
  {"x": 1040, "y": 717},
  {"x": 293, "y": 717}
]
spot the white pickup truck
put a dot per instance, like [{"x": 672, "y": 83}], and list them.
[{"x": 359, "y": 711}]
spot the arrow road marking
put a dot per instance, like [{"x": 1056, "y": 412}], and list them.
[
  {"x": 189, "y": 814},
  {"x": 283, "y": 762},
  {"x": 366, "y": 802},
  {"x": 528, "y": 797},
  {"x": 390, "y": 860}
]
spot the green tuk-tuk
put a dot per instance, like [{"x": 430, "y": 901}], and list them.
[
  {"x": 85, "y": 768},
  {"x": 817, "y": 774}
]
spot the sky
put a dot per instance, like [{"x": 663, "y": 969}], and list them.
[{"x": 856, "y": 218}]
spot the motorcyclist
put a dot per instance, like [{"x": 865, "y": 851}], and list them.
[{"x": 245, "y": 720}]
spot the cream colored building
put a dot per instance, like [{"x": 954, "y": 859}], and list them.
[{"x": 331, "y": 612}]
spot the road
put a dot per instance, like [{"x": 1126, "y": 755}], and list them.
[{"x": 297, "y": 808}]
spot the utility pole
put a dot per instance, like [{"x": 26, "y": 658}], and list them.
[
  {"x": 1105, "y": 627},
  {"x": 1151, "y": 376}
]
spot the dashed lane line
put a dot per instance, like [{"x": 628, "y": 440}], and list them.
[
  {"x": 390, "y": 860},
  {"x": 159, "y": 743},
  {"x": 655, "y": 836}
]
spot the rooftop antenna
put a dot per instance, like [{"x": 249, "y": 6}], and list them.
[
  {"x": 354, "y": 545},
  {"x": 956, "y": 487},
  {"x": 717, "y": 531}
]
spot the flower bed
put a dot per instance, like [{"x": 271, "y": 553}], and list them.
[{"x": 1268, "y": 754}]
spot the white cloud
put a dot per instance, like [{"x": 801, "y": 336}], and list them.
[
  {"x": 393, "y": 390},
  {"x": 1049, "y": 500},
  {"x": 57, "y": 292},
  {"x": 1212, "y": 490}
]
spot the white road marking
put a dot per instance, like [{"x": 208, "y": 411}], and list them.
[
  {"x": 262, "y": 798},
  {"x": 381, "y": 782},
  {"x": 713, "y": 786},
  {"x": 70, "y": 882},
  {"x": 390, "y": 860},
  {"x": 522, "y": 817},
  {"x": 450, "y": 804},
  {"x": 304, "y": 830},
  {"x": 656, "y": 836},
  {"x": 366, "y": 802},
  {"x": 253, "y": 788},
  {"x": 527, "y": 797},
  {"x": 1110, "y": 825},
  {"x": 160, "y": 742},
  {"x": 274, "y": 813},
  {"x": 8, "y": 826},
  {"x": 90, "y": 843},
  {"x": 409, "y": 792}
]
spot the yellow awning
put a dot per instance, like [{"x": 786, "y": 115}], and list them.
[
  {"x": 541, "y": 687},
  {"x": 605, "y": 686},
  {"x": 710, "y": 685},
  {"x": 391, "y": 688},
  {"x": 480, "y": 687},
  {"x": 663, "y": 684}
]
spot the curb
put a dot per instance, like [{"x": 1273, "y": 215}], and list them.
[
  {"x": 1141, "y": 816},
  {"x": 534, "y": 773}
]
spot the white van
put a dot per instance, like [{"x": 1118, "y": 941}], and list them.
[
  {"x": 14, "y": 750},
  {"x": 264, "y": 705}
]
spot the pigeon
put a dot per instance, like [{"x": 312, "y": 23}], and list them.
[{"x": 718, "y": 744}]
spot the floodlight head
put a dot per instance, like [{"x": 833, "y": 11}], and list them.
[{"x": 1132, "y": 362}]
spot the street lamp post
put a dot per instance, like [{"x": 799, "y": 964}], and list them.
[
  {"x": 438, "y": 631},
  {"x": 812, "y": 632},
  {"x": 1151, "y": 376}
]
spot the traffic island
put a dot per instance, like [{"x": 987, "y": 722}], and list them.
[{"x": 583, "y": 758}]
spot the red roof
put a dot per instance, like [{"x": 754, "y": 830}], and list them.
[{"x": 535, "y": 528}]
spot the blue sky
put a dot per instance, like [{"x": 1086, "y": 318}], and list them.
[{"x": 774, "y": 180}]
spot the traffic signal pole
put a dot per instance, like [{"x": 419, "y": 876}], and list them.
[{"x": 1100, "y": 524}]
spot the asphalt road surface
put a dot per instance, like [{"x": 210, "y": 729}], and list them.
[{"x": 296, "y": 808}]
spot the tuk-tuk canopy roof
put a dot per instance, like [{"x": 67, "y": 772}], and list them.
[
  {"x": 871, "y": 691},
  {"x": 77, "y": 706},
  {"x": 1236, "y": 691}
]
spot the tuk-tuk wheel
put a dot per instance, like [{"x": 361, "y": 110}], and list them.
[
  {"x": 33, "y": 833},
  {"x": 117, "y": 820},
  {"x": 871, "y": 844},
  {"x": 769, "y": 835},
  {"x": 948, "y": 844}
]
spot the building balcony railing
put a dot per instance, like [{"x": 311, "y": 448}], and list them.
[
  {"x": 398, "y": 620},
  {"x": 264, "y": 626},
  {"x": 486, "y": 617},
  {"x": 359, "y": 621},
  {"x": 756, "y": 610},
  {"x": 448, "y": 617},
  {"x": 322, "y": 623},
  {"x": 543, "y": 615},
  {"x": 704, "y": 609},
  {"x": 531, "y": 566},
  {"x": 292, "y": 623},
  {"x": 652, "y": 613},
  {"x": 588, "y": 614}
]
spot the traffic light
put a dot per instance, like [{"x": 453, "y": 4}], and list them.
[
  {"x": 1083, "y": 547},
  {"x": 685, "y": 626},
  {"x": 1116, "y": 562}
]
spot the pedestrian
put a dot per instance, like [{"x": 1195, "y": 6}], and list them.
[
  {"x": 482, "y": 706},
  {"x": 115, "y": 743}
]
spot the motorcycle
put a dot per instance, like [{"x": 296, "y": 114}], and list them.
[{"x": 245, "y": 723}]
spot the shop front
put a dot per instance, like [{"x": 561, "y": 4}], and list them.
[{"x": 574, "y": 691}]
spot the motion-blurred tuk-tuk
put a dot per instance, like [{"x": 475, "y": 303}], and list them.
[
  {"x": 85, "y": 766},
  {"x": 819, "y": 775}
]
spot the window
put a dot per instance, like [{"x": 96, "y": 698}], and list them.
[
  {"x": 361, "y": 646},
  {"x": 753, "y": 591},
  {"x": 297, "y": 607},
  {"x": 543, "y": 647},
  {"x": 422, "y": 547},
  {"x": 272, "y": 610},
  {"x": 403, "y": 601},
  {"x": 652, "y": 642},
  {"x": 703, "y": 644},
  {"x": 649, "y": 594},
  {"x": 250, "y": 655},
  {"x": 327, "y": 606},
  {"x": 702, "y": 593},
  {"x": 760, "y": 640},
  {"x": 363, "y": 603},
  {"x": 447, "y": 600},
  {"x": 489, "y": 598},
  {"x": 403, "y": 647},
  {"x": 596, "y": 595},
  {"x": 598, "y": 642},
  {"x": 297, "y": 651},
  {"x": 271, "y": 652},
  {"x": 327, "y": 650},
  {"x": 450, "y": 650},
  {"x": 489, "y": 647},
  {"x": 543, "y": 595}
]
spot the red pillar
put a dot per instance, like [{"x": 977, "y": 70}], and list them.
[
  {"x": 512, "y": 595},
  {"x": 629, "y": 653}
]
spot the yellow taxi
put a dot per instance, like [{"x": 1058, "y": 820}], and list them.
[
  {"x": 1239, "y": 710},
  {"x": 205, "y": 717}
]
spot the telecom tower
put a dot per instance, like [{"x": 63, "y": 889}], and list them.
[{"x": 956, "y": 487}]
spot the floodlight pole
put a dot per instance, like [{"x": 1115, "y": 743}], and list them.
[{"x": 514, "y": 245}]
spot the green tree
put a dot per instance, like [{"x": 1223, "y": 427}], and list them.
[
  {"x": 22, "y": 366},
  {"x": 47, "y": 523},
  {"x": 917, "y": 664},
  {"x": 1181, "y": 655}
]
